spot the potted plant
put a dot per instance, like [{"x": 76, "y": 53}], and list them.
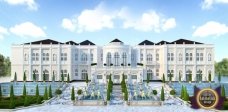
[
  {"x": 155, "y": 92},
  {"x": 172, "y": 92},
  {"x": 58, "y": 92}
]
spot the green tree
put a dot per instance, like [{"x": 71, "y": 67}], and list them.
[
  {"x": 53, "y": 76},
  {"x": 182, "y": 92},
  {"x": 72, "y": 94},
  {"x": 219, "y": 77},
  {"x": 15, "y": 76},
  {"x": 223, "y": 92},
  {"x": 87, "y": 79},
  {"x": 38, "y": 100},
  {"x": 125, "y": 94},
  {"x": 162, "y": 94},
  {"x": 24, "y": 77},
  {"x": 37, "y": 91},
  {"x": 163, "y": 78},
  {"x": 209, "y": 77},
  {"x": 12, "y": 104},
  {"x": 34, "y": 76},
  {"x": 186, "y": 95},
  {"x": 45, "y": 93},
  {"x": 24, "y": 91},
  {"x": 68, "y": 78},
  {"x": 44, "y": 79},
  {"x": 179, "y": 76},
  {"x": 62, "y": 76},
  {"x": 26, "y": 101},
  {"x": 148, "y": 78},
  {"x": 221, "y": 67},
  {"x": 0, "y": 92},
  {"x": 50, "y": 92}
]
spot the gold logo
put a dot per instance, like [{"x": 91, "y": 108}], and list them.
[{"x": 207, "y": 98}]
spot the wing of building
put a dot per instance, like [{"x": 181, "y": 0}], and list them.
[{"x": 181, "y": 59}]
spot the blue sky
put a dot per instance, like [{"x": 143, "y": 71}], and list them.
[{"x": 131, "y": 21}]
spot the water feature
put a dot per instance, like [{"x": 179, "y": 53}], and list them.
[{"x": 30, "y": 87}]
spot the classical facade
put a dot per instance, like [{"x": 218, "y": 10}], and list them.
[{"x": 181, "y": 59}]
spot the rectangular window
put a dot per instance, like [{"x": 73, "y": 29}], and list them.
[
  {"x": 76, "y": 72},
  {"x": 91, "y": 57},
  {"x": 63, "y": 56},
  {"x": 186, "y": 56},
  {"x": 201, "y": 56},
  {"x": 157, "y": 72},
  {"x": 134, "y": 77},
  {"x": 168, "y": 58},
  {"x": 99, "y": 77},
  {"x": 116, "y": 77},
  {"x": 190, "y": 58},
  {"x": 141, "y": 57},
  {"x": 157, "y": 57},
  {"x": 197, "y": 56},
  {"x": 76, "y": 57},
  {"x": 101, "y": 57},
  {"x": 172, "y": 56},
  {"x": 107, "y": 76}
]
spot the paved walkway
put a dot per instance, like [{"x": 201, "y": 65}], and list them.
[{"x": 117, "y": 96}]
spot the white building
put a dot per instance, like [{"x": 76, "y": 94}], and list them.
[{"x": 182, "y": 57}]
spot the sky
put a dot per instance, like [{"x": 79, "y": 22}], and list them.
[{"x": 101, "y": 21}]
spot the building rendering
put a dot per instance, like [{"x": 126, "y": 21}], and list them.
[{"x": 181, "y": 60}]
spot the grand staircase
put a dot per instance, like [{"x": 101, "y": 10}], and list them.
[{"x": 117, "y": 96}]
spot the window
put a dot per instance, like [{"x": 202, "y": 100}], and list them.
[
  {"x": 91, "y": 57},
  {"x": 190, "y": 56},
  {"x": 46, "y": 75},
  {"x": 84, "y": 57},
  {"x": 116, "y": 77},
  {"x": 197, "y": 57},
  {"x": 157, "y": 72},
  {"x": 124, "y": 56},
  {"x": 37, "y": 57},
  {"x": 172, "y": 56},
  {"x": 209, "y": 57},
  {"x": 141, "y": 57},
  {"x": 180, "y": 57},
  {"x": 134, "y": 77},
  {"x": 150, "y": 74},
  {"x": 187, "y": 57},
  {"x": 84, "y": 73},
  {"x": 76, "y": 56},
  {"x": 45, "y": 56},
  {"x": 64, "y": 72},
  {"x": 132, "y": 57},
  {"x": 33, "y": 56},
  {"x": 63, "y": 56},
  {"x": 36, "y": 74},
  {"x": 168, "y": 58},
  {"x": 25, "y": 57},
  {"x": 201, "y": 56},
  {"x": 76, "y": 72},
  {"x": 99, "y": 77},
  {"x": 157, "y": 57},
  {"x": 107, "y": 76},
  {"x": 116, "y": 59},
  {"x": 109, "y": 56},
  {"x": 54, "y": 57},
  {"x": 149, "y": 57}
]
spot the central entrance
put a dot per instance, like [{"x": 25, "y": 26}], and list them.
[{"x": 116, "y": 79}]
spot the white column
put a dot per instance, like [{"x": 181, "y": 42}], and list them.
[{"x": 40, "y": 63}]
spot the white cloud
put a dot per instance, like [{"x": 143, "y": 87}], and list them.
[
  {"x": 101, "y": 17},
  {"x": 3, "y": 32},
  {"x": 90, "y": 20},
  {"x": 27, "y": 29},
  {"x": 148, "y": 21},
  {"x": 31, "y": 4},
  {"x": 211, "y": 28},
  {"x": 207, "y": 4}
]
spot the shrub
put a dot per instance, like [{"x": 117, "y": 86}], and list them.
[
  {"x": 11, "y": 104},
  {"x": 26, "y": 101},
  {"x": 72, "y": 94},
  {"x": 79, "y": 92},
  {"x": 38, "y": 100},
  {"x": 155, "y": 92},
  {"x": 172, "y": 92},
  {"x": 58, "y": 91}
]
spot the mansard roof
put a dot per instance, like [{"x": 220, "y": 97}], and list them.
[
  {"x": 87, "y": 42},
  {"x": 146, "y": 42},
  {"x": 46, "y": 41},
  {"x": 162, "y": 42},
  {"x": 182, "y": 41},
  {"x": 116, "y": 40},
  {"x": 71, "y": 43}
]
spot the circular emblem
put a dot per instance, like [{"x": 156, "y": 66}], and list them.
[{"x": 207, "y": 98}]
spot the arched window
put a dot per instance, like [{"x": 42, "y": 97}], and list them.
[
  {"x": 150, "y": 74},
  {"x": 189, "y": 75},
  {"x": 109, "y": 57},
  {"x": 199, "y": 75},
  {"x": 149, "y": 57},
  {"x": 116, "y": 58},
  {"x": 54, "y": 57},
  {"x": 180, "y": 57},
  {"x": 84, "y": 73},
  {"x": 124, "y": 56},
  {"x": 46, "y": 75},
  {"x": 36, "y": 75},
  {"x": 209, "y": 57},
  {"x": 25, "y": 57},
  {"x": 54, "y": 74},
  {"x": 84, "y": 57}
]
